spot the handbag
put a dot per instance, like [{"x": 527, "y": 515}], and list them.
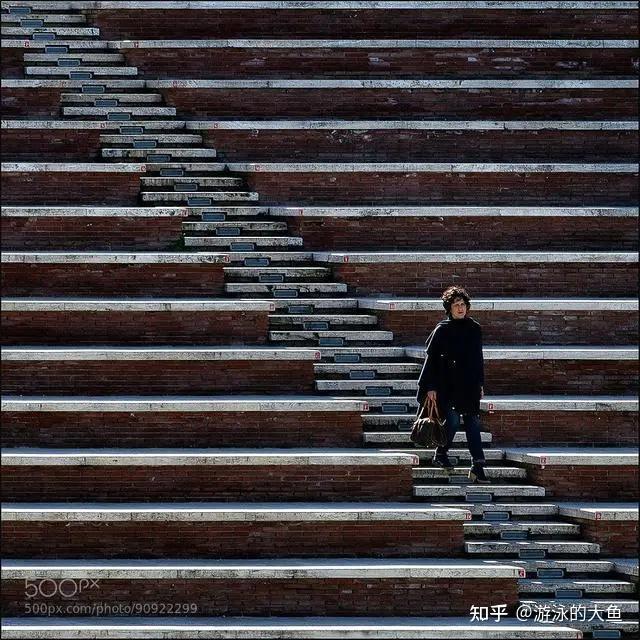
[{"x": 429, "y": 430}]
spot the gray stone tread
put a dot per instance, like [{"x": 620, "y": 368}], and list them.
[
  {"x": 284, "y": 628},
  {"x": 537, "y": 585}
]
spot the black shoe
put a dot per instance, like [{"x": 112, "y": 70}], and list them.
[
  {"x": 442, "y": 460},
  {"x": 477, "y": 475}
]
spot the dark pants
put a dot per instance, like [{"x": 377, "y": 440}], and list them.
[{"x": 472, "y": 429}]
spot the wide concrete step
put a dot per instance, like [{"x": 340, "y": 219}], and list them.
[
  {"x": 359, "y": 386},
  {"x": 528, "y": 585},
  {"x": 460, "y": 437},
  {"x": 462, "y": 455},
  {"x": 268, "y": 569},
  {"x": 284, "y": 289},
  {"x": 47, "y": 18},
  {"x": 245, "y": 628},
  {"x": 197, "y": 181},
  {"x": 234, "y": 227},
  {"x": 546, "y": 528},
  {"x": 122, "y": 98},
  {"x": 310, "y": 305},
  {"x": 494, "y": 473},
  {"x": 497, "y": 490},
  {"x": 334, "y": 320},
  {"x": 95, "y": 71},
  {"x": 239, "y": 253},
  {"x": 406, "y": 404},
  {"x": 159, "y": 138},
  {"x": 58, "y": 58},
  {"x": 202, "y": 198},
  {"x": 373, "y": 368},
  {"x": 398, "y": 421},
  {"x": 65, "y": 32},
  {"x": 582, "y": 566},
  {"x": 513, "y": 509},
  {"x": 230, "y": 512},
  {"x": 276, "y": 274},
  {"x": 178, "y": 152},
  {"x": 242, "y": 241},
  {"x": 267, "y": 457},
  {"x": 156, "y": 112},
  {"x": 354, "y": 336},
  {"x": 501, "y": 547}
]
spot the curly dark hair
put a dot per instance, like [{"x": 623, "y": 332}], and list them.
[{"x": 453, "y": 292}]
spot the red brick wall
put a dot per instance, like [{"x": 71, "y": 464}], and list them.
[
  {"x": 522, "y": 327},
  {"x": 511, "y": 189},
  {"x": 151, "y": 377},
  {"x": 51, "y": 145},
  {"x": 12, "y": 62},
  {"x": 281, "y": 597},
  {"x": 233, "y": 539},
  {"x": 573, "y": 428},
  {"x": 30, "y": 102},
  {"x": 613, "y": 483},
  {"x": 616, "y": 538},
  {"x": 182, "y": 429},
  {"x": 92, "y": 233},
  {"x": 78, "y": 280},
  {"x": 207, "y": 482},
  {"x": 535, "y": 104},
  {"x": 406, "y": 145},
  {"x": 490, "y": 279},
  {"x": 257, "y": 62},
  {"x": 131, "y": 327},
  {"x": 561, "y": 377},
  {"x": 77, "y": 188},
  {"x": 465, "y": 234},
  {"x": 265, "y": 23}
]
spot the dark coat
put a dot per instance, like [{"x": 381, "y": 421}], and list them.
[{"x": 454, "y": 366}]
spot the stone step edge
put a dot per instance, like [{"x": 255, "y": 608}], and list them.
[
  {"x": 285, "y": 628},
  {"x": 230, "y": 511},
  {"x": 263, "y": 569},
  {"x": 331, "y": 124},
  {"x": 336, "y": 167},
  {"x": 197, "y": 456},
  {"x": 23, "y": 354},
  {"x": 574, "y": 456},
  {"x": 183, "y": 403}
]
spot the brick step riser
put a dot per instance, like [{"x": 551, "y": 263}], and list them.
[
  {"x": 251, "y": 540},
  {"x": 591, "y": 234},
  {"x": 159, "y": 377},
  {"x": 516, "y": 377},
  {"x": 292, "y": 596},
  {"x": 218, "y": 483},
  {"x": 388, "y": 24},
  {"x": 557, "y": 280},
  {"x": 206, "y": 429},
  {"x": 465, "y": 104},
  {"x": 199, "y": 280},
  {"x": 474, "y": 104},
  {"x": 547, "y": 428},
  {"x": 359, "y": 63},
  {"x": 380, "y": 146},
  {"x": 407, "y": 145}
]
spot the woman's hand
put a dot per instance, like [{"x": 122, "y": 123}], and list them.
[{"x": 432, "y": 396}]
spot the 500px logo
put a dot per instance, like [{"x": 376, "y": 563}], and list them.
[{"x": 49, "y": 588}]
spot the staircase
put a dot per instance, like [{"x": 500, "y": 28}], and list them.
[{"x": 512, "y": 522}]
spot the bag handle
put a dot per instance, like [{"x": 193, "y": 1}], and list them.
[{"x": 433, "y": 408}]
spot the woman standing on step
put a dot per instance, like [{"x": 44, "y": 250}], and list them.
[{"x": 453, "y": 377}]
